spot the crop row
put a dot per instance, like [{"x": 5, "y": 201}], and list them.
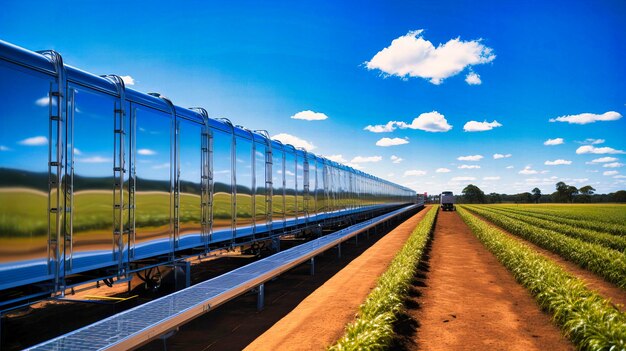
[
  {"x": 613, "y": 213},
  {"x": 610, "y": 264},
  {"x": 607, "y": 240},
  {"x": 373, "y": 328},
  {"x": 581, "y": 221},
  {"x": 589, "y": 320}
]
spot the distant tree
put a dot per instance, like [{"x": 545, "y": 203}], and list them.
[
  {"x": 618, "y": 196},
  {"x": 473, "y": 195},
  {"x": 536, "y": 195},
  {"x": 524, "y": 198},
  {"x": 564, "y": 192},
  {"x": 586, "y": 192},
  {"x": 571, "y": 192},
  {"x": 494, "y": 198}
]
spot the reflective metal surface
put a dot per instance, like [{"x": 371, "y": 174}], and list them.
[
  {"x": 245, "y": 211},
  {"x": 189, "y": 155},
  {"x": 222, "y": 185}
]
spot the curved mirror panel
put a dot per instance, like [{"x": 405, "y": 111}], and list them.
[
  {"x": 222, "y": 186},
  {"x": 94, "y": 117},
  {"x": 23, "y": 176},
  {"x": 277, "y": 184},
  {"x": 260, "y": 212},
  {"x": 190, "y": 183},
  {"x": 245, "y": 210},
  {"x": 153, "y": 182},
  {"x": 290, "y": 185}
]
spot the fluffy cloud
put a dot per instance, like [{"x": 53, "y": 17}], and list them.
[
  {"x": 474, "y": 126},
  {"x": 585, "y": 118},
  {"x": 128, "y": 80},
  {"x": 470, "y": 158},
  {"x": 94, "y": 159},
  {"x": 473, "y": 79},
  {"x": 396, "y": 159},
  {"x": 4, "y": 148},
  {"x": 412, "y": 56},
  {"x": 294, "y": 140},
  {"x": 499, "y": 156},
  {"x": 309, "y": 115},
  {"x": 527, "y": 170},
  {"x": 34, "y": 141},
  {"x": 510, "y": 167},
  {"x": 613, "y": 165},
  {"x": 42, "y": 101},
  {"x": 146, "y": 152},
  {"x": 557, "y": 162},
  {"x": 592, "y": 141},
  {"x": 462, "y": 179},
  {"x": 468, "y": 167},
  {"x": 442, "y": 170},
  {"x": 555, "y": 141},
  {"x": 391, "y": 141},
  {"x": 414, "y": 172},
  {"x": 382, "y": 128},
  {"x": 619, "y": 176},
  {"x": 604, "y": 159},
  {"x": 365, "y": 159},
  {"x": 590, "y": 149},
  {"x": 429, "y": 121},
  {"x": 610, "y": 173},
  {"x": 337, "y": 158},
  {"x": 492, "y": 178}
]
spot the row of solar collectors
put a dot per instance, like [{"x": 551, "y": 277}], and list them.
[{"x": 185, "y": 180}]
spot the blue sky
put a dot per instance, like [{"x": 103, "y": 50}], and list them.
[{"x": 370, "y": 63}]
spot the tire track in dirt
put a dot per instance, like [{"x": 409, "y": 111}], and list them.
[
  {"x": 469, "y": 301},
  {"x": 591, "y": 280}
]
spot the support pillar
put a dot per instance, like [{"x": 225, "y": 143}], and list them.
[
  {"x": 260, "y": 303},
  {"x": 312, "y": 265}
]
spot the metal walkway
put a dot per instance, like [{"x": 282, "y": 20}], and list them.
[{"x": 138, "y": 325}]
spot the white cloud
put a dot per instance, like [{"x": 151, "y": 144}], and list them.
[
  {"x": 473, "y": 79},
  {"x": 396, "y": 159},
  {"x": 294, "y": 140},
  {"x": 364, "y": 159},
  {"x": 391, "y": 141},
  {"x": 468, "y": 167},
  {"x": 414, "y": 172},
  {"x": 590, "y": 149},
  {"x": 146, "y": 152},
  {"x": 619, "y": 176},
  {"x": 4, "y": 148},
  {"x": 77, "y": 152},
  {"x": 470, "y": 158},
  {"x": 128, "y": 80},
  {"x": 442, "y": 170},
  {"x": 592, "y": 141},
  {"x": 429, "y": 122},
  {"x": 94, "y": 159},
  {"x": 412, "y": 56},
  {"x": 309, "y": 115},
  {"x": 34, "y": 141},
  {"x": 462, "y": 179},
  {"x": 610, "y": 173},
  {"x": 474, "y": 126},
  {"x": 604, "y": 159},
  {"x": 555, "y": 141},
  {"x": 382, "y": 128},
  {"x": 557, "y": 162},
  {"x": 337, "y": 158},
  {"x": 585, "y": 118},
  {"x": 527, "y": 170},
  {"x": 499, "y": 156},
  {"x": 492, "y": 178},
  {"x": 167, "y": 165},
  {"x": 510, "y": 167},
  {"x": 42, "y": 101},
  {"x": 613, "y": 165}
]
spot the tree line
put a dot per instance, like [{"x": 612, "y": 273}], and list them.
[{"x": 564, "y": 194}]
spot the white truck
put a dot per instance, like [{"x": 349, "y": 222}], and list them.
[{"x": 446, "y": 200}]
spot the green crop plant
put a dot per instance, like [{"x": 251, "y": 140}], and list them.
[
  {"x": 373, "y": 328},
  {"x": 589, "y": 320}
]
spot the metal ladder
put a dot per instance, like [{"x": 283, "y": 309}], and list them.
[
  {"x": 206, "y": 197},
  {"x": 121, "y": 209},
  {"x": 57, "y": 238},
  {"x": 269, "y": 184}
]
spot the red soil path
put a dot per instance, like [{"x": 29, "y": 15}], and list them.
[
  {"x": 471, "y": 302},
  {"x": 320, "y": 319}
]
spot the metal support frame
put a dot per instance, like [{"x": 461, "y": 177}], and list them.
[
  {"x": 175, "y": 181},
  {"x": 121, "y": 228},
  {"x": 233, "y": 178},
  {"x": 185, "y": 267},
  {"x": 269, "y": 184},
  {"x": 260, "y": 303},
  {"x": 57, "y": 194},
  {"x": 253, "y": 178},
  {"x": 312, "y": 263},
  {"x": 206, "y": 197}
]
